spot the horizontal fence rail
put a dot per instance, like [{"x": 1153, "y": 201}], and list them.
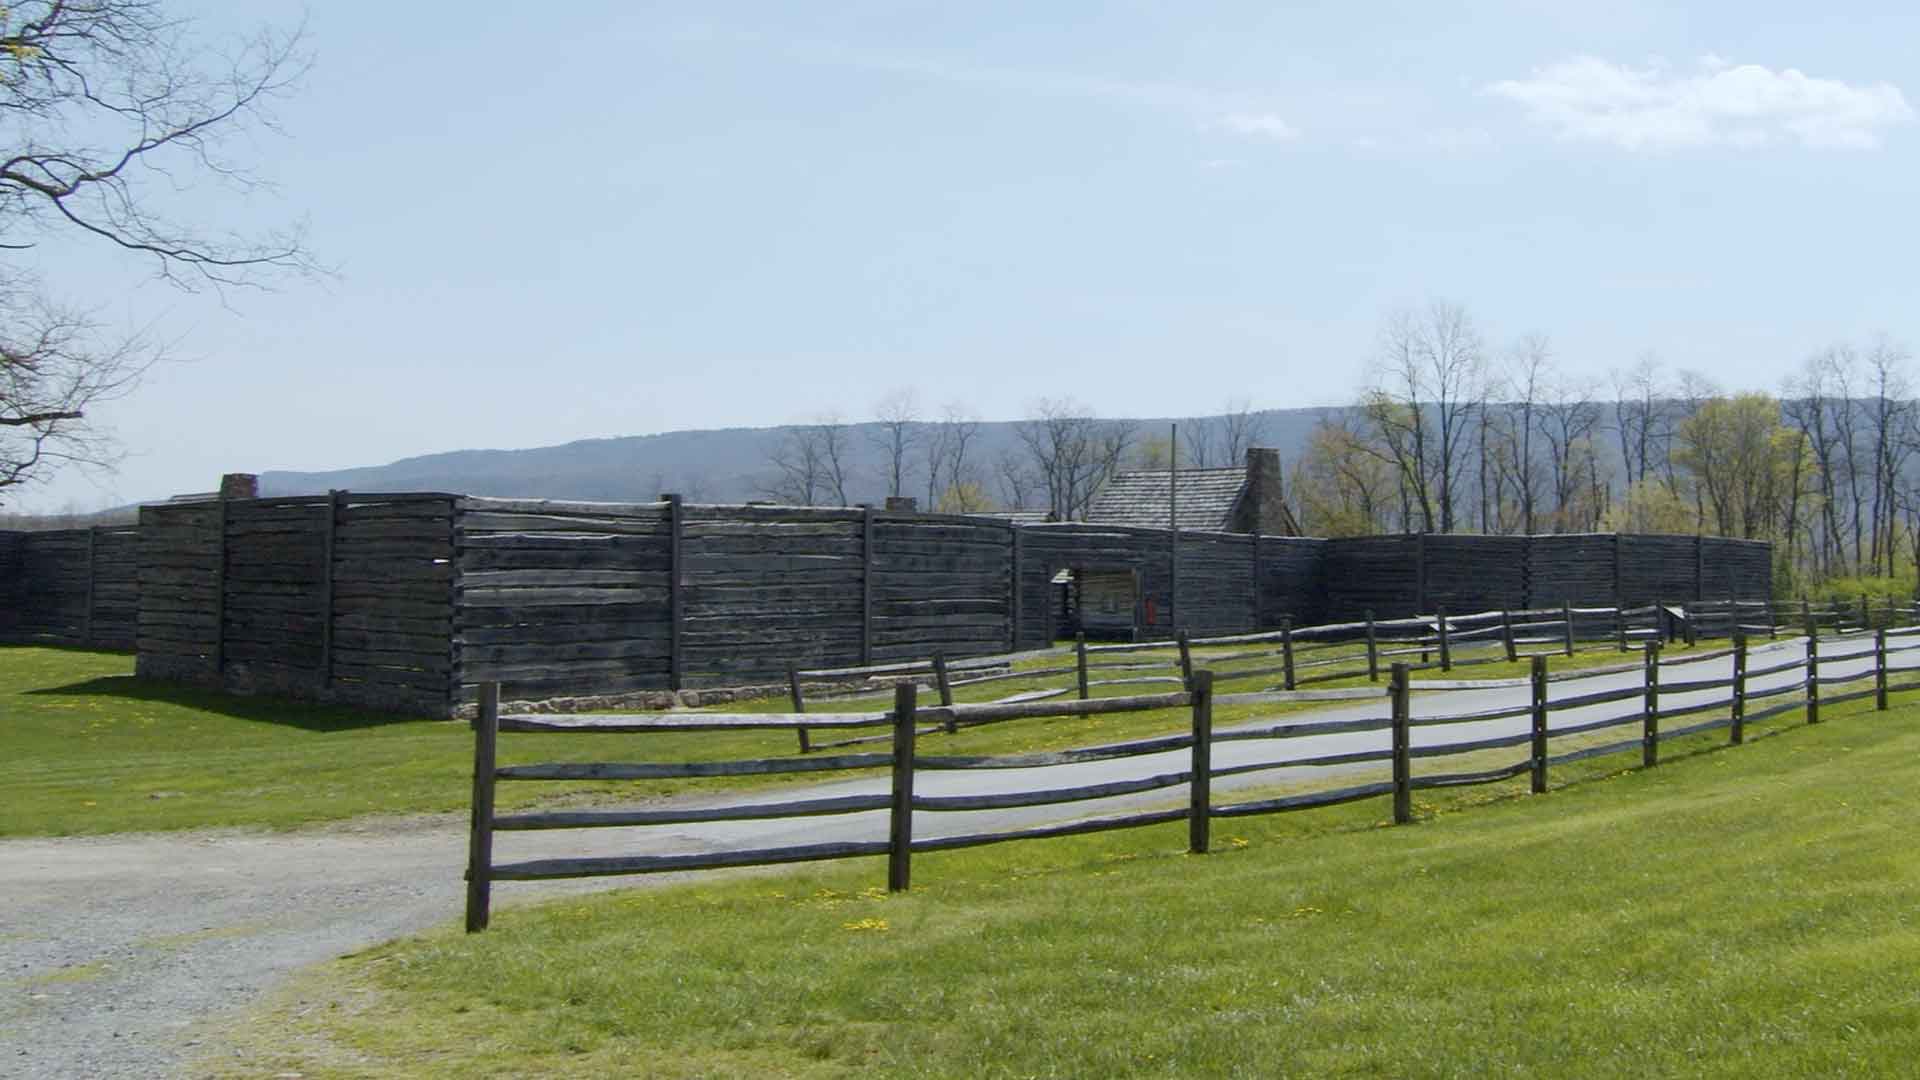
[{"x": 1648, "y": 710}]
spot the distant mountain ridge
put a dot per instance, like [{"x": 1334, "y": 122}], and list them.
[{"x": 726, "y": 465}]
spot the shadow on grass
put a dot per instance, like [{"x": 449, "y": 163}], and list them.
[{"x": 305, "y": 715}]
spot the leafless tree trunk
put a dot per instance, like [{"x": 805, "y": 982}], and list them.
[
  {"x": 1072, "y": 451},
  {"x": 810, "y": 463},
  {"x": 897, "y": 434},
  {"x": 1429, "y": 381}
]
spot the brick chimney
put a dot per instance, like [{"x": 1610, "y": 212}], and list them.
[{"x": 239, "y": 485}]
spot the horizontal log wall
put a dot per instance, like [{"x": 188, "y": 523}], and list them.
[
  {"x": 330, "y": 598},
  {"x": 407, "y": 602},
  {"x": 557, "y": 599},
  {"x": 71, "y": 586}
]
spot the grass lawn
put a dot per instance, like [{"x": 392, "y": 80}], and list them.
[
  {"x": 1734, "y": 912},
  {"x": 92, "y": 749}
]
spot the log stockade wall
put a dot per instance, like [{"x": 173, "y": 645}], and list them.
[
  {"x": 408, "y": 602},
  {"x": 70, "y": 586},
  {"x": 345, "y": 598}
]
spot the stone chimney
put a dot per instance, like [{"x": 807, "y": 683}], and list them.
[
  {"x": 239, "y": 485},
  {"x": 1264, "y": 509},
  {"x": 903, "y": 503}
]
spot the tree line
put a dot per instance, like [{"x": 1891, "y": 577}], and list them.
[
  {"x": 1451, "y": 435},
  {"x": 1062, "y": 452}
]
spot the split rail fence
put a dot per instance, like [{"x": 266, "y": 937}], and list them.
[{"x": 1744, "y": 696}]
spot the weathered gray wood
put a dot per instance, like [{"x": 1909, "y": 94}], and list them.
[
  {"x": 1373, "y": 650},
  {"x": 1880, "y": 669},
  {"x": 1135, "y": 748},
  {"x": 480, "y": 824},
  {"x": 1737, "y": 730},
  {"x": 1650, "y": 710},
  {"x": 331, "y": 539},
  {"x": 1200, "y": 792},
  {"x": 1813, "y": 678},
  {"x": 1402, "y": 761},
  {"x": 618, "y": 865},
  {"x": 1073, "y": 828},
  {"x": 1539, "y": 732},
  {"x": 682, "y": 770},
  {"x": 689, "y": 721},
  {"x": 676, "y": 597},
  {"x": 866, "y": 586},
  {"x": 900, "y": 816},
  {"x": 602, "y": 819}
]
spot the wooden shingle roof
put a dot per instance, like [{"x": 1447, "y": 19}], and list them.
[{"x": 1207, "y": 498}]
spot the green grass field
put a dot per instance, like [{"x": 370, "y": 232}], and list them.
[
  {"x": 92, "y": 749},
  {"x": 1734, "y": 912}
]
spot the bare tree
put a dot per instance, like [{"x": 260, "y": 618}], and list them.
[
  {"x": 897, "y": 434},
  {"x": 810, "y": 464},
  {"x": 1222, "y": 441},
  {"x": 951, "y": 480},
  {"x": 1568, "y": 419},
  {"x": 1072, "y": 451},
  {"x": 1516, "y": 466},
  {"x": 110, "y": 109},
  {"x": 1639, "y": 416},
  {"x": 1890, "y": 416},
  {"x": 1428, "y": 383},
  {"x": 1020, "y": 486}
]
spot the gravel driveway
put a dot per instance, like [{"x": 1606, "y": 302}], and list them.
[{"x": 112, "y": 948}]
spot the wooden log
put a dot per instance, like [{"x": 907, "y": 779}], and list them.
[
  {"x": 945, "y": 687},
  {"x": 1080, "y": 661},
  {"x": 1506, "y": 636},
  {"x": 900, "y": 816},
  {"x": 603, "y": 819},
  {"x": 1286, "y": 653},
  {"x": 1539, "y": 725},
  {"x": 1566, "y": 614},
  {"x": 866, "y": 587},
  {"x": 799, "y": 705},
  {"x": 683, "y": 770},
  {"x": 486, "y": 727},
  {"x": 676, "y": 597},
  {"x": 607, "y": 866},
  {"x": 1200, "y": 797},
  {"x": 330, "y": 546},
  {"x": 1373, "y": 651},
  {"x": 1650, "y": 709},
  {"x": 1813, "y": 679},
  {"x": 1880, "y": 669},
  {"x": 1737, "y": 730},
  {"x": 1186, "y": 662},
  {"x": 1402, "y": 759},
  {"x": 1446, "y": 647}
]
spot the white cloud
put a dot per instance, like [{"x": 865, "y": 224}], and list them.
[
  {"x": 1265, "y": 125},
  {"x": 1719, "y": 104}
]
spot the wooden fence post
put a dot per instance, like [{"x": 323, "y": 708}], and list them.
[
  {"x": 1446, "y": 646},
  {"x": 1773, "y": 622},
  {"x": 1200, "y": 788},
  {"x": 1286, "y": 652},
  {"x": 799, "y": 705},
  {"x": 866, "y": 586},
  {"x": 1737, "y": 731},
  {"x": 945, "y": 687},
  {"x": 1650, "y": 710},
  {"x": 1806, "y": 616},
  {"x": 1080, "y": 660},
  {"x": 1866, "y": 615},
  {"x": 676, "y": 600},
  {"x": 486, "y": 733},
  {"x": 900, "y": 822},
  {"x": 1186, "y": 662},
  {"x": 1688, "y": 629},
  {"x": 1566, "y": 613},
  {"x": 1620, "y": 626},
  {"x": 1880, "y": 669},
  {"x": 1402, "y": 745},
  {"x": 1813, "y": 679},
  {"x": 1539, "y": 716},
  {"x": 1373, "y": 651},
  {"x": 1506, "y": 636}
]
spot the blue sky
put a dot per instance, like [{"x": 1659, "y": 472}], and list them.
[{"x": 639, "y": 217}]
